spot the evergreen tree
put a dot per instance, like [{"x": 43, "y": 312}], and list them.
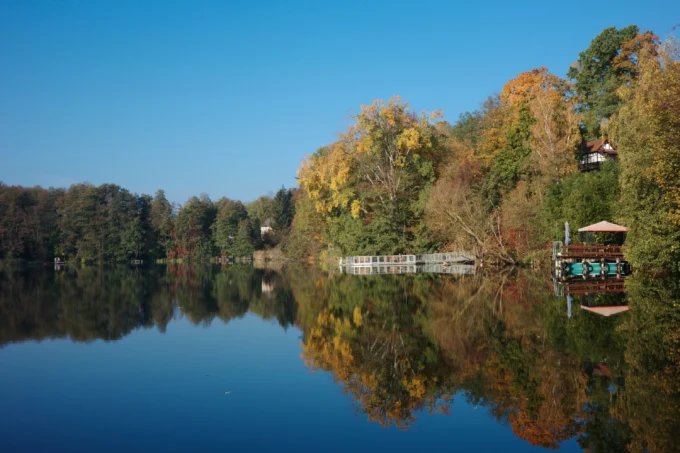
[
  {"x": 162, "y": 223},
  {"x": 283, "y": 209},
  {"x": 597, "y": 78}
]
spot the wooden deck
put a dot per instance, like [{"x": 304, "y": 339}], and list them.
[{"x": 580, "y": 251}]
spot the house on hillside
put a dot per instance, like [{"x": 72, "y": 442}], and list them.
[
  {"x": 595, "y": 153},
  {"x": 266, "y": 227}
]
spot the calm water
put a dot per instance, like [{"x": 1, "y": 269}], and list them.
[{"x": 182, "y": 359}]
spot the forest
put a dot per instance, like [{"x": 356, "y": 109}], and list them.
[
  {"x": 501, "y": 181},
  {"x": 107, "y": 223},
  {"x": 498, "y": 182}
]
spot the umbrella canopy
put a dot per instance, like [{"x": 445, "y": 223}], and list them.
[
  {"x": 604, "y": 227},
  {"x": 606, "y": 311}
]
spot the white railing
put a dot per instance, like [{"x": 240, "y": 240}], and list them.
[
  {"x": 457, "y": 269},
  {"x": 400, "y": 260}
]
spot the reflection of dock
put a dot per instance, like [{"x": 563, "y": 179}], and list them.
[
  {"x": 603, "y": 296},
  {"x": 583, "y": 287},
  {"x": 408, "y": 260},
  {"x": 456, "y": 269}
]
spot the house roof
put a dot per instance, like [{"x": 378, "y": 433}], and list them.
[
  {"x": 597, "y": 146},
  {"x": 607, "y": 311},
  {"x": 603, "y": 227}
]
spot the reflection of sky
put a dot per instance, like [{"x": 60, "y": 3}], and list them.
[{"x": 149, "y": 392}]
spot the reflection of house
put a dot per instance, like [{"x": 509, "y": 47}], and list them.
[
  {"x": 266, "y": 227},
  {"x": 595, "y": 153},
  {"x": 267, "y": 286}
]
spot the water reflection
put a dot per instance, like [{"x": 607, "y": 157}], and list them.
[
  {"x": 406, "y": 345},
  {"x": 91, "y": 303}
]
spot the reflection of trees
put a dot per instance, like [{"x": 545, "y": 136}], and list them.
[
  {"x": 108, "y": 303},
  {"x": 401, "y": 345},
  {"x": 650, "y": 402},
  {"x": 87, "y": 304},
  {"x": 370, "y": 337},
  {"x": 494, "y": 332}
]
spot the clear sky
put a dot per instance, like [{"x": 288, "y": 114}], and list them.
[{"x": 226, "y": 98}]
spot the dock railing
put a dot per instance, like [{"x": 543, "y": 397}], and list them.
[
  {"x": 384, "y": 260},
  {"x": 592, "y": 251},
  {"x": 404, "y": 260}
]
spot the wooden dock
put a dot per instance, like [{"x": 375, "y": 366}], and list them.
[
  {"x": 443, "y": 259},
  {"x": 455, "y": 269},
  {"x": 578, "y": 287},
  {"x": 589, "y": 261}
]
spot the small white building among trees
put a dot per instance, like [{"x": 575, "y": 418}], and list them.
[
  {"x": 266, "y": 228},
  {"x": 595, "y": 153}
]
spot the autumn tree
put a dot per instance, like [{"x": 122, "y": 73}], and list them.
[
  {"x": 373, "y": 181},
  {"x": 28, "y": 222},
  {"x": 646, "y": 131}
]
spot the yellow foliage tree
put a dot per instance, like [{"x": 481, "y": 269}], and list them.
[{"x": 555, "y": 132}]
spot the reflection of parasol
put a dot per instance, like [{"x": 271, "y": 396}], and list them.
[{"x": 606, "y": 311}]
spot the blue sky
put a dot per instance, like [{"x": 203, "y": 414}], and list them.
[{"x": 226, "y": 98}]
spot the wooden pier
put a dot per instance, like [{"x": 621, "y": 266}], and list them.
[
  {"x": 587, "y": 260},
  {"x": 443, "y": 259},
  {"x": 455, "y": 269}
]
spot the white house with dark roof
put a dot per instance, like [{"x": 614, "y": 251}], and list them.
[{"x": 595, "y": 153}]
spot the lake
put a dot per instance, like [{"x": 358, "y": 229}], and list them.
[{"x": 201, "y": 359}]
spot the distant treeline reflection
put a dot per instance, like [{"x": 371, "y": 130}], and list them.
[
  {"x": 108, "y": 303},
  {"x": 403, "y": 345}
]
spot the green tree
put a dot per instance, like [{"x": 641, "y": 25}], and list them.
[
  {"x": 243, "y": 243},
  {"x": 162, "y": 222},
  {"x": 28, "y": 222},
  {"x": 597, "y": 79},
  {"x": 226, "y": 226},
  {"x": 283, "y": 209},
  {"x": 646, "y": 131},
  {"x": 583, "y": 199},
  {"x": 193, "y": 234},
  {"x": 261, "y": 209}
]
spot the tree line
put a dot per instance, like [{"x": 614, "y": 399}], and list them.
[
  {"x": 501, "y": 181},
  {"x": 109, "y": 223}
]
